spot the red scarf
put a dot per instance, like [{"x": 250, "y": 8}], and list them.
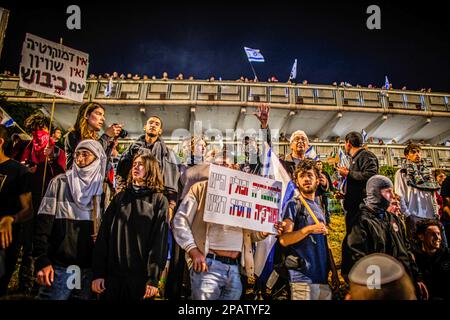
[{"x": 40, "y": 141}]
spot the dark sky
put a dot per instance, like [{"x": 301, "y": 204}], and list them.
[{"x": 330, "y": 41}]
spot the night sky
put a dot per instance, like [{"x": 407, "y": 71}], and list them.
[{"x": 331, "y": 41}]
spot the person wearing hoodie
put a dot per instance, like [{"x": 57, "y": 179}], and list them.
[
  {"x": 378, "y": 231},
  {"x": 131, "y": 247},
  {"x": 66, "y": 226}
]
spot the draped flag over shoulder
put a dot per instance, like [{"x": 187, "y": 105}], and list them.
[
  {"x": 386, "y": 83},
  {"x": 273, "y": 169},
  {"x": 253, "y": 55}
]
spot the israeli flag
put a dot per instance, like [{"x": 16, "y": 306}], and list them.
[
  {"x": 344, "y": 160},
  {"x": 293, "y": 71},
  {"x": 108, "y": 88},
  {"x": 386, "y": 83},
  {"x": 311, "y": 153},
  {"x": 273, "y": 169},
  {"x": 7, "y": 120},
  {"x": 364, "y": 135},
  {"x": 254, "y": 55}
]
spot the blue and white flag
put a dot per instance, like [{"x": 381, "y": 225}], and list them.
[
  {"x": 108, "y": 88},
  {"x": 7, "y": 121},
  {"x": 386, "y": 83},
  {"x": 273, "y": 169},
  {"x": 293, "y": 71},
  {"x": 254, "y": 55},
  {"x": 311, "y": 153},
  {"x": 364, "y": 135}
]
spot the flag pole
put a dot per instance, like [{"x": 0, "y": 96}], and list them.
[
  {"x": 253, "y": 69},
  {"x": 49, "y": 133}
]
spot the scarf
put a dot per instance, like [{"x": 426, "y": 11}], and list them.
[
  {"x": 41, "y": 139},
  {"x": 85, "y": 183},
  {"x": 419, "y": 176}
]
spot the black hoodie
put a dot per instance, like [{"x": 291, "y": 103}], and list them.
[{"x": 132, "y": 239}]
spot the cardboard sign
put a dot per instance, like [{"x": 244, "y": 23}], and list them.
[
  {"x": 242, "y": 200},
  {"x": 53, "y": 69}
]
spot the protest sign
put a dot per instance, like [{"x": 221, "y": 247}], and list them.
[
  {"x": 53, "y": 69},
  {"x": 242, "y": 200}
]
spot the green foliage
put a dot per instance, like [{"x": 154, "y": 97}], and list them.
[
  {"x": 388, "y": 171},
  {"x": 328, "y": 168}
]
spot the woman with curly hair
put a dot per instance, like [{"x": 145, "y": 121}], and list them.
[
  {"x": 131, "y": 247},
  {"x": 90, "y": 120}
]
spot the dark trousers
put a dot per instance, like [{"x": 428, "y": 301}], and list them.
[
  {"x": 10, "y": 254},
  {"x": 26, "y": 271},
  {"x": 124, "y": 288},
  {"x": 177, "y": 284}
]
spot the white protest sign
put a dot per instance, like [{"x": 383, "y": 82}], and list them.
[
  {"x": 53, "y": 69},
  {"x": 242, "y": 200}
]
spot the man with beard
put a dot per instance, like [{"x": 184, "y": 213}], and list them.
[
  {"x": 378, "y": 231},
  {"x": 307, "y": 249},
  {"x": 153, "y": 143}
]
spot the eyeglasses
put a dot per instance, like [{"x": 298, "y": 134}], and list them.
[
  {"x": 296, "y": 140},
  {"x": 83, "y": 154}
]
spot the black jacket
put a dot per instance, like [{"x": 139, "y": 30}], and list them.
[
  {"x": 435, "y": 272},
  {"x": 133, "y": 237},
  {"x": 378, "y": 233},
  {"x": 363, "y": 166},
  {"x": 166, "y": 159}
]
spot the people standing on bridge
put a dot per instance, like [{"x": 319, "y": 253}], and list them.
[
  {"x": 140, "y": 213},
  {"x": 66, "y": 225},
  {"x": 416, "y": 186},
  {"x": 16, "y": 207},
  {"x": 45, "y": 161}
]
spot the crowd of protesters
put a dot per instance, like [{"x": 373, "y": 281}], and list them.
[
  {"x": 130, "y": 227},
  {"x": 272, "y": 79}
]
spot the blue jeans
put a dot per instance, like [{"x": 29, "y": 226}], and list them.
[
  {"x": 60, "y": 289},
  {"x": 221, "y": 282}
]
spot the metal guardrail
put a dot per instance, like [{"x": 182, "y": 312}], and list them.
[{"x": 233, "y": 92}]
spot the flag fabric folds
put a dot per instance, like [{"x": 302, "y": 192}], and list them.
[
  {"x": 293, "y": 74},
  {"x": 7, "y": 120},
  {"x": 386, "y": 83},
  {"x": 254, "y": 55},
  {"x": 108, "y": 88},
  {"x": 272, "y": 168}
]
